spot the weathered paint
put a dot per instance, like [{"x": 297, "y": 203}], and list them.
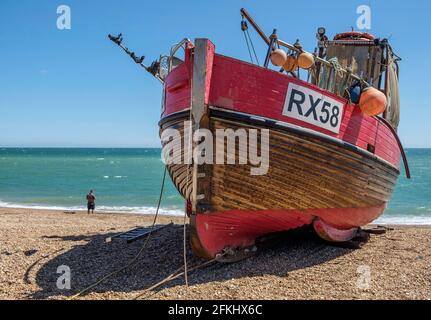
[{"x": 243, "y": 87}]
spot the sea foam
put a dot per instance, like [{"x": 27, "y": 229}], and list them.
[{"x": 107, "y": 209}]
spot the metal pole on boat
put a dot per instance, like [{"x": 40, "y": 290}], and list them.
[
  {"x": 256, "y": 27},
  {"x": 153, "y": 69},
  {"x": 272, "y": 41}
]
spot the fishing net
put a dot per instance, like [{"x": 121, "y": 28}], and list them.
[{"x": 393, "y": 108}]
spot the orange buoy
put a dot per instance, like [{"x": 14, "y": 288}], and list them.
[
  {"x": 278, "y": 57},
  {"x": 291, "y": 64},
  {"x": 372, "y": 101},
  {"x": 305, "y": 60}
]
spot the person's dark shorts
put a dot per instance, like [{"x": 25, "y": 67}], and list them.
[{"x": 91, "y": 206}]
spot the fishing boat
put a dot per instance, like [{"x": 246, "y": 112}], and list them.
[{"x": 331, "y": 120}]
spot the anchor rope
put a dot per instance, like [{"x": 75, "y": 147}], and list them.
[
  {"x": 176, "y": 275},
  {"x": 133, "y": 260},
  {"x": 189, "y": 149}
]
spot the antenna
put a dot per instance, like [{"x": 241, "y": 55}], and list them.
[{"x": 153, "y": 69}]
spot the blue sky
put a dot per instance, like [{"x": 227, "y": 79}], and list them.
[{"x": 74, "y": 88}]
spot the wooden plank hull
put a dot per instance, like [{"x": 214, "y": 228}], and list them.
[{"x": 308, "y": 178}]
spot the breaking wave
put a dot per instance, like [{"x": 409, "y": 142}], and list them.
[{"x": 106, "y": 209}]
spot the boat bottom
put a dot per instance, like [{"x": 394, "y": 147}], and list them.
[{"x": 237, "y": 230}]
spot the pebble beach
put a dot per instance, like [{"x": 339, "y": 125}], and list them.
[{"x": 34, "y": 244}]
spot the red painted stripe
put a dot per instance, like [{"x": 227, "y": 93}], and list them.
[{"x": 243, "y": 87}]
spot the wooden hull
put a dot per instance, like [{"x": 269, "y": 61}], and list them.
[
  {"x": 315, "y": 177},
  {"x": 308, "y": 178}
]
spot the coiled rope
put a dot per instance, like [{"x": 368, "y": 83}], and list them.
[{"x": 132, "y": 261}]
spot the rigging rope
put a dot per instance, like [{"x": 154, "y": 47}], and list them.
[
  {"x": 248, "y": 48},
  {"x": 249, "y": 41},
  {"x": 132, "y": 261},
  {"x": 252, "y": 46}
]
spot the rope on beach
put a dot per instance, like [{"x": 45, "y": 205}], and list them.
[
  {"x": 185, "y": 249},
  {"x": 174, "y": 276},
  {"x": 131, "y": 262},
  {"x": 189, "y": 149},
  {"x": 27, "y": 273}
]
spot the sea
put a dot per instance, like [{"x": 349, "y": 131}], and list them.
[{"x": 129, "y": 181}]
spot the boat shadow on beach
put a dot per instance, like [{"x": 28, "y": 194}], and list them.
[{"x": 92, "y": 258}]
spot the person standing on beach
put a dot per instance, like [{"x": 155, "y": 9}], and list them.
[{"x": 91, "y": 202}]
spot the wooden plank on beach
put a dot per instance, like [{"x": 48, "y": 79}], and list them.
[{"x": 137, "y": 233}]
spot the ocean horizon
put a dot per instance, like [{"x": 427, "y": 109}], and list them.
[{"x": 128, "y": 180}]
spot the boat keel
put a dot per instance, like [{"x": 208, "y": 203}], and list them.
[
  {"x": 231, "y": 235},
  {"x": 333, "y": 234}
]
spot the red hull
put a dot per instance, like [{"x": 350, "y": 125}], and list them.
[{"x": 239, "y": 228}]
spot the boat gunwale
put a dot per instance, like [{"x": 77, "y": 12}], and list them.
[{"x": 282, "y": 126}]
